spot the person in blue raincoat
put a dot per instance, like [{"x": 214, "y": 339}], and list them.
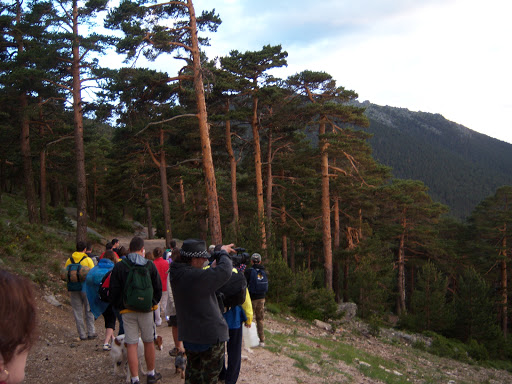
[{"x": 99, "y": 307}]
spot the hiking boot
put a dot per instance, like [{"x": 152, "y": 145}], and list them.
[
  {"x": 92, "y": 337},
  {"x": 154, "y": 379}
]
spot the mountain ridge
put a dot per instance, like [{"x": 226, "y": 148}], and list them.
[{"x": 460, "y": 166}]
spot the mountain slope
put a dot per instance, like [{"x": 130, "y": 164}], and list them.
[{"x": 461, "y": 167}]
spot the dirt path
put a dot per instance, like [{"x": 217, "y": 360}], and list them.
[{"x": 58, "y": 358}]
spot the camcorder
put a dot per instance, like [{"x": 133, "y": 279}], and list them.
[{"x": 240, "y": 257}]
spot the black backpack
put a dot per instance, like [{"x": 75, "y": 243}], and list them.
[
  {"x": 232, "y": 293},
  {"x": 258, "y": 283},
  {"x": 104, "y": 290}
]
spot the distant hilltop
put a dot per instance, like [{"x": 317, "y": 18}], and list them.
[{"x": 460, "y": 166}]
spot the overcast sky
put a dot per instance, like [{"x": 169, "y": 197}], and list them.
[{"x": 452, "y": 57}]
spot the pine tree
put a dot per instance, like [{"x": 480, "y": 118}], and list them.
[
  {"x": 492, "y": 225},
  {"x": 429, "y": 309},
  {"x": 172, "y": 27},
  {"x": 250, "y": 68}
]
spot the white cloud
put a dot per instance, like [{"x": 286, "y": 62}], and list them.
[
  {"x": 440, "y": 56},
  {"x": 447, "y": 57}
]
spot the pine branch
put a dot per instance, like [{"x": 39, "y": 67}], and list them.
[
  {"x": 165, "y": 121},
  {"x": 157, "y": 163}
]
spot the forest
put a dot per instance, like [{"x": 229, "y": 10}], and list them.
[{"x": 224, "y": 151}]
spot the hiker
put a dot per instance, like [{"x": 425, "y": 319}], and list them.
[
  {"x": 136, "y": 289},
  {"x": 89, "y": 253},
  {"x": 99, "y": 307},
  {"x": 171, "y": 308},
  {"x": 201, "y": 326},
  {"x": 77, "y": 295},
  {"x": 257, "y": 283},
  {"x": 115, "y": 245},
  {"x": 235, "y": 317},
  {"x": 17, "y": 326},
  {"x": 163, "y": 269}
]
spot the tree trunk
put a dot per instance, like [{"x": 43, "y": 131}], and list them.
[
  {"x": 148, "y": 216},
  {"x": 94, "y": 215},
  {"x": 28, "y": 174},
  {"x": 232, "y": 164},
  {"x": 204, "y": 132},
  {"x": 43, "y": 186},
  {"x": 258, "y": 173},
  {"x": 326, "y": 209},
  {"x": 81, "y": 185},
  {"x": 269, "y": 186},
  {"x": 55, "y": 195},
  {"x": 292, "y": 255},
  {"x": 401, "y": 272},
  {"x": 345, "y": 280},
  {"x": 165, "y": 195},
  {"x": 336, "y": 264},
  {"x": 182, "y": 191},
  {"x": 504, "y": 289},
  {"x": 284, "y": 237}
]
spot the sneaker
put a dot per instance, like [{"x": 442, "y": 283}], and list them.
[
  {"x": 107, "y": 347},
  {"x": 262, "y": 344},
  {"x": 154, "y": 379},
  {"x": 92, "y": 337}
]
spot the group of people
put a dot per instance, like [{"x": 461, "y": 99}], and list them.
[{"x": 182, "y": 292}]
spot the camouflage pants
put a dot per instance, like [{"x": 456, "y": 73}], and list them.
[
  {"x": 204, "y": 367},
  {"x": 258, "y": 307}
]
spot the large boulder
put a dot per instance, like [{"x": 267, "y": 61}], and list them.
[{"x": 349, "y": 309}]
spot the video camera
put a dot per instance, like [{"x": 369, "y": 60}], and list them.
[{"x": 241, "y": 257}]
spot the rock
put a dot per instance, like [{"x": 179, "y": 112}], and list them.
[
  {"x": 322, "y": 325},
  {"x": 53, "y": 301},
  {"x": 350, "y": 310}
]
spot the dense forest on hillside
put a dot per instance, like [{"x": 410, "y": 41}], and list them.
[
  {"x": 461, "y": 167},
  {"x": 222, "y": 150}
]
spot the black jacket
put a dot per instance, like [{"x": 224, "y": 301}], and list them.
[
  {"x": 120, "y": 273},
  {"x": 200, "y": 320}
]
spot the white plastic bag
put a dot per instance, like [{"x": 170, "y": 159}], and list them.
[{"x": 250, "y": 336}]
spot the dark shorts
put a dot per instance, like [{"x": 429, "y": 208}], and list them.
[
  {"x": 110, "y": 318},
  {"x": 173, "y": 321}
]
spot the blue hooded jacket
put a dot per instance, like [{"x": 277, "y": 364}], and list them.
[{"x": 92, "y": 285}]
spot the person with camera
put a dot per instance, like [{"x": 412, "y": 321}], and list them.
[
  {"x": 257, "y": 283},
  {"x": 201, "y": 326}
]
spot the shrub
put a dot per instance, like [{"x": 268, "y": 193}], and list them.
[
  {"x": 477, "y": 351},
  {"x": 281, "y": 282},
  {"x": 316, "y": 304}
]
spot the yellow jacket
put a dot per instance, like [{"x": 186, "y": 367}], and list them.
[{"x": 77, "y": 256}]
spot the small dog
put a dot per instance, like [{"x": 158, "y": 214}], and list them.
[
  {"x": 119, "y": 355},
  {"x": 181, "y": 363},
  {"x": 159, "y": 343}
]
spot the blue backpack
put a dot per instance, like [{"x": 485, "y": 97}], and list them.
[{"x": 258, "y": 285}]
